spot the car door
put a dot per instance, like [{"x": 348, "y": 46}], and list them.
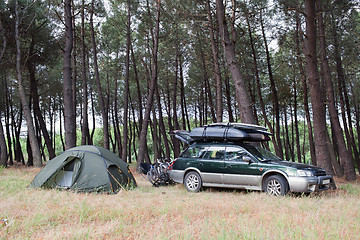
[
  {"x": 211, "y": 165},
  {"x": 240, "y": 168}
]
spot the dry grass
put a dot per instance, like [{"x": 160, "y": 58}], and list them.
[{"x": 172, "y": 213}]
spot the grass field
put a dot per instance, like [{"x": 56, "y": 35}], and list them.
[{"x": 172, "y": 213}]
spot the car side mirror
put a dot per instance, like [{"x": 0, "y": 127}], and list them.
[{"x": 247, "y": 159}]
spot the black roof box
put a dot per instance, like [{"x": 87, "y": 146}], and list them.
[{"x": 225, "y": 132}]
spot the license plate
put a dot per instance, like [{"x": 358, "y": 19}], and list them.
[{"x": 326, "y": 181}]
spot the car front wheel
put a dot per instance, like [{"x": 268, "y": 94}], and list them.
[
  {"x": 193, "y": 182},
  {"x": 276, "y": 185}
]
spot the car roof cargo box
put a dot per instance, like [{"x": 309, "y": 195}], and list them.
[{"x": 230, "y": 132}]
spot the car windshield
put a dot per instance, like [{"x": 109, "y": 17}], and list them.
[{"x": 261, "y": 154}]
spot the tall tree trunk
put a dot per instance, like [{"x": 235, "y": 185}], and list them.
[
  {"x": 346, "y": 159},
  {"x": 242, "y": 96},
  {"x": 36, "y": 101},
  {"x": 3, "y": 148},
  {"x": 299, "y": 60},
  {"x": 126, "y": 91},
  {"x": 69, "y": 111},
  {"x": 162, "y": 124},
  {"x": 207, "y": 83},
  {"x": 217, "y": 73},
  {"x": 103, "y": 110},
  {"x": 319, "y": 115},
  {"x": 35, "y": 148},
  {"x": 150, "y": 97},
  {"x": 258, "y": 87},
  {"x": 296, "y": 123},
  {"x": 228, "y": 98},
  {"x": 73, "y": 55},
  {"x": 274, "y": 93},
  {"x": 85, "y": 134},
  {"x": 138, "y": 88},
  {"x": 7, "y": 121}
]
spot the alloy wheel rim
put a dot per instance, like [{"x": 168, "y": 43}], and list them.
[
  {"x": 192, "y": 182},
  {"x": 274, "y": 188}
]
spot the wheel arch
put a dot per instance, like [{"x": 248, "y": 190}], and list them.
[
  {"x": 272, "y": 173},
  {"x": 191, "y": 169}
]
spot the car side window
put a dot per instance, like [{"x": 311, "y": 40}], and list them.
[
  {"x": 235, "y": 154},
  {"x": 217, "y": 153},
  {"x": 193, "y": 152}
]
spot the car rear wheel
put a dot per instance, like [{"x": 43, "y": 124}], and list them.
[
  {"x": 193, "y": 182},
  {"x": 276, "y": 185}
]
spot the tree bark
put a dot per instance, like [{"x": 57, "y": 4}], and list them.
[
  {"x": 278, "y": 149},
  {"x": 319, "y": 116},
  {"x": 3, "y": 148},
  {"x": 217, "y": 73},
  {"x": 36, "y": 102},
  {"x": 346, "y": 159},
  {"x": 127, "y": 78},
  {"x": 104, "y": 112},
  {"x": 242, "y": 96},
  {"x": 153, "y": 83},
  {"x": 299, "y": 60},
  {"x": 69, "y": 111},
  {"x": 35, "y": 148},
  {"x": 85, "y": 134}
]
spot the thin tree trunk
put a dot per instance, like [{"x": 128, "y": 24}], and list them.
[
  {"x": 298, "y": 33},
  {"x": 104, "y": 113},
  {"x": 69, "y": 113},
  {"x": 126, "y": 91},
  {"x": 242, "y": 97},
  {"x": 3, "y": 148},
  {"x": 35, "y": 96},
  {"x": 228, "y": 98},
  {"x": 162, "y": 124},
  {"x": 207, "y": 84},
  {"x": 138, "y": 88},
  {"x": 26, "y": 109},
  {"x": 85, "y": 134},
  {"x": 258, "y": 87},
  {"x": 7, "y": 121},
  {"x": 274, "y": 93},
  {"x": 150, "y": 98},
  {"x": 217, "y": 73},
  {"x": 296, "y": 123}
]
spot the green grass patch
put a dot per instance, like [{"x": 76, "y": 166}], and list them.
[{"x": 171, "y": 212}]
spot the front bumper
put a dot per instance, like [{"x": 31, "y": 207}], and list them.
[{"x": 310, "y": 184}]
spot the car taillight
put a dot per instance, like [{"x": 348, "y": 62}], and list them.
[{"x": 171, "y": 164}]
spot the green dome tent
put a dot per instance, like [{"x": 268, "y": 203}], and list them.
[{"x": 86, "y": 169}]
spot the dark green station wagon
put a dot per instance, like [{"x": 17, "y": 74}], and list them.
[{"x": 211, "y": 162}]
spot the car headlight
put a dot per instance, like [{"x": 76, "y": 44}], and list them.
[{"x": 304, "y": 173}]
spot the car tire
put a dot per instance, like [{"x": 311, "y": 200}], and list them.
[
  {"x": 276, "y": 185},
  {"x": 193, "y": 182}
]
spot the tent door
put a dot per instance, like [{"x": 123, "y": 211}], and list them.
[
  {"x": 117, "y": 178},
  {"x": 65, "y": 176}
]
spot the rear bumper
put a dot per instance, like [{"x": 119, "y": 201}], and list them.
[
  {"x": 177, "y": 175},
  {"x": 310, "y": 184}
]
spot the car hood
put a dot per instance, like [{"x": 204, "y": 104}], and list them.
[{"x": 301, "y": 166}]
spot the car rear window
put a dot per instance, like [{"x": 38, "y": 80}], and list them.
[{"x": 194, "y": 152}]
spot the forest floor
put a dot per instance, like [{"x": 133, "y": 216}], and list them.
[{"x": 173, "y": 213}]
